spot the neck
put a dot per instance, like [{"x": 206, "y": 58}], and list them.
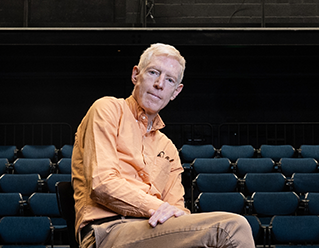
[
  {"x": 150, "y": 118},
  {"x": 149, "y": 126}
]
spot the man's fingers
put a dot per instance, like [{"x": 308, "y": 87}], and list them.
[
  {"x": 179, "y": 213},
  {"x": 151, "y": 212},
  {"x": 163, "y": 213}
]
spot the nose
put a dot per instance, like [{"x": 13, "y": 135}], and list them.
[{"x": 159, "y": 82}]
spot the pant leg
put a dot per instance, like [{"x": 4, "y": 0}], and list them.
[{"x": 216, "y": 229}]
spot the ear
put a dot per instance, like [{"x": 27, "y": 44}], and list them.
[
  {"x": 135, "y": 73},
  {"x": 177, "y": 91}
]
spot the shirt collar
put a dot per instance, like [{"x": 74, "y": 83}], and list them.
[{"x": 138, "y": 112}]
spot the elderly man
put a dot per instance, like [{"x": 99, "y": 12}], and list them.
[{"x": 127, "y": 174}]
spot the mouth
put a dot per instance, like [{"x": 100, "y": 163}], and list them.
[{"x": 154, "y": 95}]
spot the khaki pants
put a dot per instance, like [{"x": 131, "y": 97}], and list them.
[{"x": 216, "y": 229}]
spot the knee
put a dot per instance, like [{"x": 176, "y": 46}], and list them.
[
  {"x": 233, "y": 230},
  {"x": 240, "y": 231},
  {"x": 236, "y": 222},
  {"x": 233, "y": 223},
  {"x": 240, "y": 220}
]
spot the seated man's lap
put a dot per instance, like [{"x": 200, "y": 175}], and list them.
[{"x": 194, "y": 230}]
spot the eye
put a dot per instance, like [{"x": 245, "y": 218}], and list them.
[
  {"x": 153, "y": 72},
  {"x": 171, "y": 81}
]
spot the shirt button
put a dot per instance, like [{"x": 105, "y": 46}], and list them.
[
  {"x": 141, "y": 174},
  {"x": 143, "y": 117}
]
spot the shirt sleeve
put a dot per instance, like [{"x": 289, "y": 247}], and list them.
[{"x": 109, "y": 188}]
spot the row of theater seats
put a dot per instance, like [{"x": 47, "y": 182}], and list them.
[
  {"x": 266, "y": 204},
  {"x": 275, "y": 187},
  {"x": 27, "y": 195},
  {"x": 206, "y": 183},
  {"x": 301, "y": 183},
  {"x": 190, "y": 152},
  {"x": 12, "y": 152},
  {"x": 242, "y": 166},
  {"x": 241, "y": 160},
  {"x": 27, "y": 184},
  {"x": 28, "y": 201},
  {"x": 38, "y": 204},
  {"x": 42, "y": 160},
  {"x": 276, "y": 218},
  {"x": 42, "y": 166}
]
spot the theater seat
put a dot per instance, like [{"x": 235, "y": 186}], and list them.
[
  {"x": 66, "y": 151},
  {"x": 211, "y": 165},
  {"x": 309, "y": 151},
  {"x": 26, "y": 184},
  {"x": 11, "y": 204},
  {"x": 189, "y": 152},
  {"x": 312, "y": 203},
  {"x": 268, "y": 204},
  {"x": 26, "y": 231},
  {"x": 45, "y": 204},
  {"x": 233, "y": 202},
  {"x": 52, "y": 179},
  {"x": 297, "y": 230},
  {"x": 211, "y": 182},
  {"x": 305, "y": 182},
  {"x": 64, "y": 166},
  {"x": 4, "y": 163},
  {"x": 290, "y": 166},
  {"x": 41, "y": 166},
  {"x": 235, "y": 152},
  {"x": 253, "y": 165},
  {"x": 39, "y": 151},
  {"x": 8, "y": 152},
  {"x": 276, "y": 152},
  {"x": 255, "y": 225},
  {"x": 64, "y": 193},
  {"x": 264, "y": 182}
]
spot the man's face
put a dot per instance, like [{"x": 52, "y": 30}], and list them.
[{"x": 156, "y": 84}]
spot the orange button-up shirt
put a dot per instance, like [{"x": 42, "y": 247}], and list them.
[{"x": 118, "y": 167}]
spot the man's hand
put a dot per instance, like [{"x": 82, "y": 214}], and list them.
[{"x": 163, "y": 213}]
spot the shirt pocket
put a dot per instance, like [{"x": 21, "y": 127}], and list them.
[{"x": 160, "y": 173}]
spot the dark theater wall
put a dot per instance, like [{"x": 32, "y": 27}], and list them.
[
  {"x": 222, "y": 84},
  {"x": 167, "y": 13}
]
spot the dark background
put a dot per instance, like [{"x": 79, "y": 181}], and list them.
[
  {"x": 163, "y": 13},
  {"x": 230, "y": 77},
  {"x": 248, "y": 61},
  {"x": 222, "y": 84}
]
